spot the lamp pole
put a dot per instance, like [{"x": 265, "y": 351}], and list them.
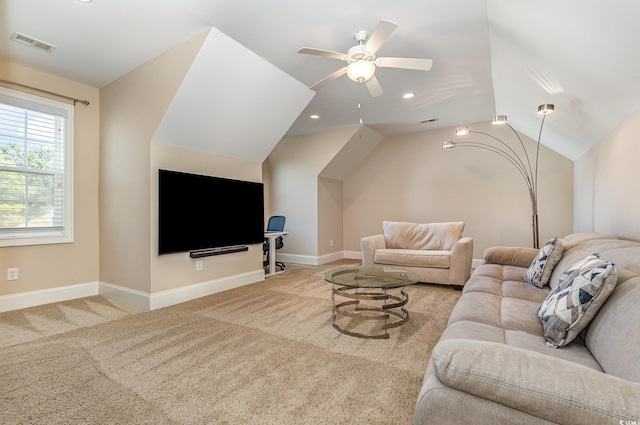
[{"x": 523, "y": 165}]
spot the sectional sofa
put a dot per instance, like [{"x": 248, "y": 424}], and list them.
[{"x": 507, "y": 356}]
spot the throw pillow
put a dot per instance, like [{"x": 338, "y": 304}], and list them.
[
  {"x": 542, "y": 266},
  {"x": 581, "y": 291}
]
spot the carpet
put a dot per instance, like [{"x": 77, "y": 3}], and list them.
[{"x": 264, "y": 353}]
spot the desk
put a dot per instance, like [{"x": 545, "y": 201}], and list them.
[{"x": 272, "y": 250}]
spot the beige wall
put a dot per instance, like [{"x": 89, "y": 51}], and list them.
[
  {"x": 330, "y": 229},
  {"x": 55, "y": 265},
  {"x": 606, "y": 183},
  {"x": 295, "y": 165},
  {"x": 172, "y": 271},
  {"x": 132, "y": 108},
  {"x": 409, "y": 178}
]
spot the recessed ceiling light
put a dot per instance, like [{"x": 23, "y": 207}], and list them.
[
  {"x": 85, "y": 1},
  {"x": 408, "y": 95},
  {"x": 314, "y": 116}
]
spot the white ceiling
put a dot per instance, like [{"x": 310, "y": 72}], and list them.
[{"x": 490, "y": 56}]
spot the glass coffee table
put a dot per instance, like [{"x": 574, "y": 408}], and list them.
[{"x": 375, "y": 299}]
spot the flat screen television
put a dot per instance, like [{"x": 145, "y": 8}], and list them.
[{"x": 198, "y": 212}]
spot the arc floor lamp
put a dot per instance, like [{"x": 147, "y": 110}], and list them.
[{"x": 518, "y": 156}]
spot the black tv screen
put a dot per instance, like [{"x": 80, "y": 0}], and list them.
[{"x": 199, "y": 212}]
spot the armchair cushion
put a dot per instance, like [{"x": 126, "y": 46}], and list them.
[
  {"x": 435, "y": 236},
  {"x": 412, "y": 257}
]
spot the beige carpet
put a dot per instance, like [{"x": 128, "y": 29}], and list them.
[{"x": 261, "y": 354}]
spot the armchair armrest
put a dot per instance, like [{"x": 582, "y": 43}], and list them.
[
  {"x": 510, "y": 256},
  {"x": 368, "y": 246},
  {"x": 461, "y": 259},
  {"x": 553, "y": 389}
]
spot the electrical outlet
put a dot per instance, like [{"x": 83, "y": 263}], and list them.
[
  {"x": 198, "y": 265},
  {"x": 12, "y": 274},
  {"x": 331, "y": 242}
]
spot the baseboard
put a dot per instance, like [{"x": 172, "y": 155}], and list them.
[
  {"x": 128, "y": 296},
  {"x": 198, "y": 290},
  {"x": 476, "y": 262},
  {"x": 315, "y": 261},
  {"x": 178, "y": 295},
  {"x": 47, "y": 296},
  {"x": 298, "y": 259}
]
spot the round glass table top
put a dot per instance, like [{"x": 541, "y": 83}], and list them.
[{"x": 370, "y": 277}]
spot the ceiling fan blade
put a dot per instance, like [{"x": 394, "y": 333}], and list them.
[
  {"x": 374, "y": 87},
  {"x": 320, "y": 52},
  {"x": 379, "y": 35},
  {"x": 326, "y": 80},
  {"x": 406, "y": 63}
]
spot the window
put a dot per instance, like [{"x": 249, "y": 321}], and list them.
[{"x": 36, "y": 154}]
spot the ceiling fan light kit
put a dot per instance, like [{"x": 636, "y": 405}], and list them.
[{"x": 361, "y": 59}]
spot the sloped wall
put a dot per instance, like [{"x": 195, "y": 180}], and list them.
[{"x": 606, "y": 183}]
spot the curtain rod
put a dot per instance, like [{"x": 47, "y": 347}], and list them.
[{"x": 85, "y": 102}]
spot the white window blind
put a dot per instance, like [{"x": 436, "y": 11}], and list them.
[{"x": 36, "y": 145}]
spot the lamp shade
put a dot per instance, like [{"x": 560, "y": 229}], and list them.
[
  {"x": 361, "y": 70},
  {"x": 462, "y": 130},
  {"x": 545, "y": 109},
  {"x": 499, "y": 119}
]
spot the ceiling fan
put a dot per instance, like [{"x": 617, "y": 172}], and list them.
[{"x": 361, "y": 59}]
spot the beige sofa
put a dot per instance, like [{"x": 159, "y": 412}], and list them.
[
  {"x": 437, "y": 252},
  {"x": 494, "y": 363}
]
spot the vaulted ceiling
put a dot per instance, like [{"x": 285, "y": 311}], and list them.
[{"x": 489, "y": 57}]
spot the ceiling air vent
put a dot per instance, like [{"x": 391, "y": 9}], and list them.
[
  {"x": 429, "y": 120},
  {"x": 35, "y": 43}
]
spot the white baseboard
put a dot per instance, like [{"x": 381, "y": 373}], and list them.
[
  {"x": 476, "y": 262},
  {"x": 179, "y": 295},
  {"x": 298, "y": 259},
  {"x": 315, "y": 260},
  {"x": 47, "y": 296},
  {"x": 129, "y": 296}
]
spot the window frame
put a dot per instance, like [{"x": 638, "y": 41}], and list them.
[{"x": 36, "y": 236}]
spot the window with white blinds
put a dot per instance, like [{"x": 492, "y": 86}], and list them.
[{"x": 36, "y": 151}]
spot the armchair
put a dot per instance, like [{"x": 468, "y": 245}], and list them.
[{"x": 436, "y": 251}]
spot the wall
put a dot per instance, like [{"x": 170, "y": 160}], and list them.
[
  {"x": 295, "y": 164},
  {"x": 606, "y": 183},
  {"x": 410, "y": 178},
  {"x": 173, "y": 271},
  {"x": 330, "y": 230},
  {"x": 52, "y": 266},
  {"x": 132, "y": 108}
]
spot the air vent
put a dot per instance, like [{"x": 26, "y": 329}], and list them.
[
  {"x": 429, "y": 120},
  {"x": 35, "y": 43}
]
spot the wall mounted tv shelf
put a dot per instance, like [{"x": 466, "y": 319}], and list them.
[{"x": 218, "y": 251}]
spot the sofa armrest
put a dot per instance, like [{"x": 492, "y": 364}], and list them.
[
  {"x": 461, "y": 260},
  {"x": 368, "y": 246},
  {"x": 510, "y": 256},
  {"x": 553, "y": 389}
]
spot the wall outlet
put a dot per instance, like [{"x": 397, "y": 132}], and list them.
[
  {"x": 12, "y": 274},
  {"x": 331, "y": 242},
  {"x": 198, "y": 265}
]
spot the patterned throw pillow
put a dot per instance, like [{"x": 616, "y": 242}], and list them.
[
  {"x": 581, "y": 291},
  {"x": 542, "y": 266}
]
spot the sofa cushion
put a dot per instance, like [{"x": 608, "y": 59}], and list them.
[
  {"x": 412, "y": 257},
  {"x": 436, "y": 236},
  {"x": 581, "y": 290},
  {"x": 541, "y": 267}
]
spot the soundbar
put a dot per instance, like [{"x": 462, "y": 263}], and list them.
[{"x": 218, "y": 251}]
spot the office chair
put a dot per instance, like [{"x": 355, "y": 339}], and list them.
[{"x": 275, "y": 224}]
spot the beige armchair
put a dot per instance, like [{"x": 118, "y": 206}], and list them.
[{"x": 436, "y": 251}]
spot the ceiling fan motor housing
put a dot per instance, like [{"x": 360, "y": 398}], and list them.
[{"x": 357, "y": 52}]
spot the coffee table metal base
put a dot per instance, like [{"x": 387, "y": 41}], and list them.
[{"x": 390, "y": 312}]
